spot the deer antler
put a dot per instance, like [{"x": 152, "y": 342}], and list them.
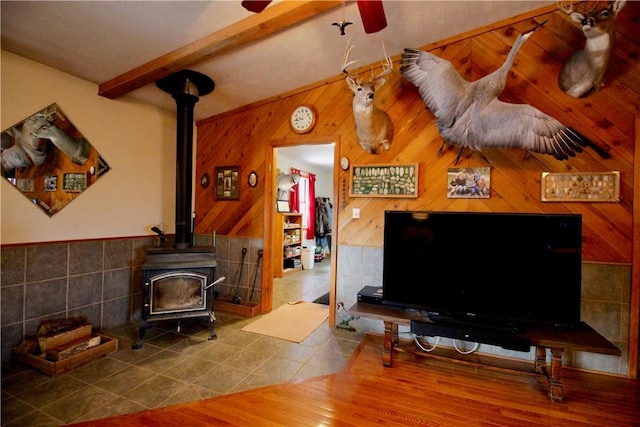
[
  {"x": 565, "y": 6},
  {"x": 387, "y": 65},
  {"x": 346, "y": 63}
]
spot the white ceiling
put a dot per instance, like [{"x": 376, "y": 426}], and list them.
[
  {"x": 315, "y": 154},
  {"x": 100, "y": 40}
]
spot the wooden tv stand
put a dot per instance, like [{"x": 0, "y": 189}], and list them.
[{"x": 582, "y": 338}]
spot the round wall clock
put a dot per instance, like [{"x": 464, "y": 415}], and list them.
[
  {"x": 253, "y": 179},
  {"x": 303, "y": 119}
]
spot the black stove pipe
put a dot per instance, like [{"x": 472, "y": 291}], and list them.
[{"x": 185, "y": 87}]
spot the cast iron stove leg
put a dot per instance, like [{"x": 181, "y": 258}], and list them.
[{"x": 141, "y": 330}]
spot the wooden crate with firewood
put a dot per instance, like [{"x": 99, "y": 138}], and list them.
[{"x": 63, "y": 345}]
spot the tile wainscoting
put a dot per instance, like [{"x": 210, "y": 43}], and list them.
[{"x": 100, "y": 280}]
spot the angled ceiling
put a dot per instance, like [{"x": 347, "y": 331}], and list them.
[{"x": 249, "y": 57}]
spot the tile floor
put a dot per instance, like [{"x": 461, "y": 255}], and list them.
[{"x": 177, "y": 367}]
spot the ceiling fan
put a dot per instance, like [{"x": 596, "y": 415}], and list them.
[{"x": 371, "y": 12}]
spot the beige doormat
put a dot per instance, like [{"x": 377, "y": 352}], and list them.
[{"x": 292, "y": 322}]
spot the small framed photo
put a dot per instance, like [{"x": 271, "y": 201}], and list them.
[
  {"x": 50, "y": 182},
  {"x": 252, "y": 179},
  {"x": 227, "y": 183},
  {"x": 399, "y": 180},
  {"x": 469, "y": 183},
  {"x": 580, "y": 187},
  {"x": 26, "y": 185},
  {"x": 74, "y": 182},
  {"x": 282, "y": 206}
]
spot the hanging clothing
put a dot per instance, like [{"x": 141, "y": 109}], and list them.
[
  {"x": 324, "y": 212},
  {"x": 322, "y": 218}
]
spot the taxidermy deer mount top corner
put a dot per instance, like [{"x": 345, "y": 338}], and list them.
[
  {"x": 583, "y": 73},
  {"x": 373, "y": 125}
]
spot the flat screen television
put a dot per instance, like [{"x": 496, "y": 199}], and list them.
[{"x": 484, "y": 268}]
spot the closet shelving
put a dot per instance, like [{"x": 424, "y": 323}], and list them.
[{"x": 287, "y": 253}]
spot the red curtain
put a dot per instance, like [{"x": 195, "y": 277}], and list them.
[
  {"x": 294, "y": 201},
  {"x": 294, "y": 196}
]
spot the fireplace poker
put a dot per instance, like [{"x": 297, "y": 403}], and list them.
[
  {"x": 236, "y": 298},
  {"x": 255, "y": 275}
]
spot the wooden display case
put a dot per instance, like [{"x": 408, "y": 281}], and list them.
[{"x": 287, "y": 249}]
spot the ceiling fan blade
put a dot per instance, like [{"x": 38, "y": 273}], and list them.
[
  {"x": 372, "y": 14},
  {"x": 256, "y": 6}
]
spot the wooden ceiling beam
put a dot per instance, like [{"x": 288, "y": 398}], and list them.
[{"x": 276, "y": 17}]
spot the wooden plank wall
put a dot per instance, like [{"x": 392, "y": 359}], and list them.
[
  {"x": 242, "y": 138},
  {"x": 238, "y": 138}
]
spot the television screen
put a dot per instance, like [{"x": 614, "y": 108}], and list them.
[{"x": 484, "y": 267}]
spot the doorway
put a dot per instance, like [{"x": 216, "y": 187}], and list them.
[{"x": 305, "y": 156}]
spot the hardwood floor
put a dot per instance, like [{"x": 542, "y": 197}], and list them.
[{"x": 417, "y": 390}]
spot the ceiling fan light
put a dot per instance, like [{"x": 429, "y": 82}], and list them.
[
  {"x": 256, "y": 6},
  {"x": 372, "y": 14}
]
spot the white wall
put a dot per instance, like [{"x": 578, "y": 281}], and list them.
[{"x": 136, "y": 140}]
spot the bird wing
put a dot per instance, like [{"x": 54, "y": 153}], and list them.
[
  {"x": 503, "y": 125},
  {"x": 442, "y": 89}
]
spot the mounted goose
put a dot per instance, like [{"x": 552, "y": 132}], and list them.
[{"x": 469, "y": 114}]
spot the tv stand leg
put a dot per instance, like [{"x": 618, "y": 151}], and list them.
[
  {"x": 541, "y": 360},
  {"x": 552, "y": 372},
  {"x": 555, "y": 379},
  {"x": 391, "y": 340}
]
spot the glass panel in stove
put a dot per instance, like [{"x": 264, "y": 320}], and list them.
[{"x": 178, "y": 291}]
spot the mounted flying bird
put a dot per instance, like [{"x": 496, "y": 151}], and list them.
[{"x": 469, "y": 114}]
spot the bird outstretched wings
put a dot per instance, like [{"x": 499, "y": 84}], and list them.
[{"x": 469, "y": 114}]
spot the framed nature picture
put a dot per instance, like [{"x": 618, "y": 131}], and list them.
[
  {"x": 469, "y": 183},
  {"x": 399, "y": 180},
  {"x": 227, "y": 183},
  {"x": 580, "y": 187}
]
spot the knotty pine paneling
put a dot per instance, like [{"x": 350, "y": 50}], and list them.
[{"x": 239, "y": 138}]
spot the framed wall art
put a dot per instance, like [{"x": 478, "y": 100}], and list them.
[
  {"x": 252, "y": 179},
  {"x": 39, "y": 152},
  {"x": 399, "y": 180},
  {"x": 469, "y": 183},
  {"x": 283, "y": 206},
  {"x": 580, "y": 187},
  {"x": 74, "y": 182},
  {"x": 227, "y": 183},
  {"x": 51, "y": 183}
]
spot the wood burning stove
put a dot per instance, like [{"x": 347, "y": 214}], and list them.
[
  {"x": 178, "y": 281},
  {"x": 178, "y": 284}
]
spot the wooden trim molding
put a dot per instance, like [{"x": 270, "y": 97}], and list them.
[{"x": 634, "y": 309}]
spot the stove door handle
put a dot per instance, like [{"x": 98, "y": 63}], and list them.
[{"x": 215, "y": 283}]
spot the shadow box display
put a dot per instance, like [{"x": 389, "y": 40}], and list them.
[
  {"x": 580, "y": 187},
  {"x": 400, "y": 180}
]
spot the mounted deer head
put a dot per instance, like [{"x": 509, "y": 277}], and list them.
[
  {"x": 373, "y": 126},
  {"x": 583, "y": 73}
]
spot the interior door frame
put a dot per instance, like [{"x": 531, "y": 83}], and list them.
[{"x": 269, "y": 209}]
